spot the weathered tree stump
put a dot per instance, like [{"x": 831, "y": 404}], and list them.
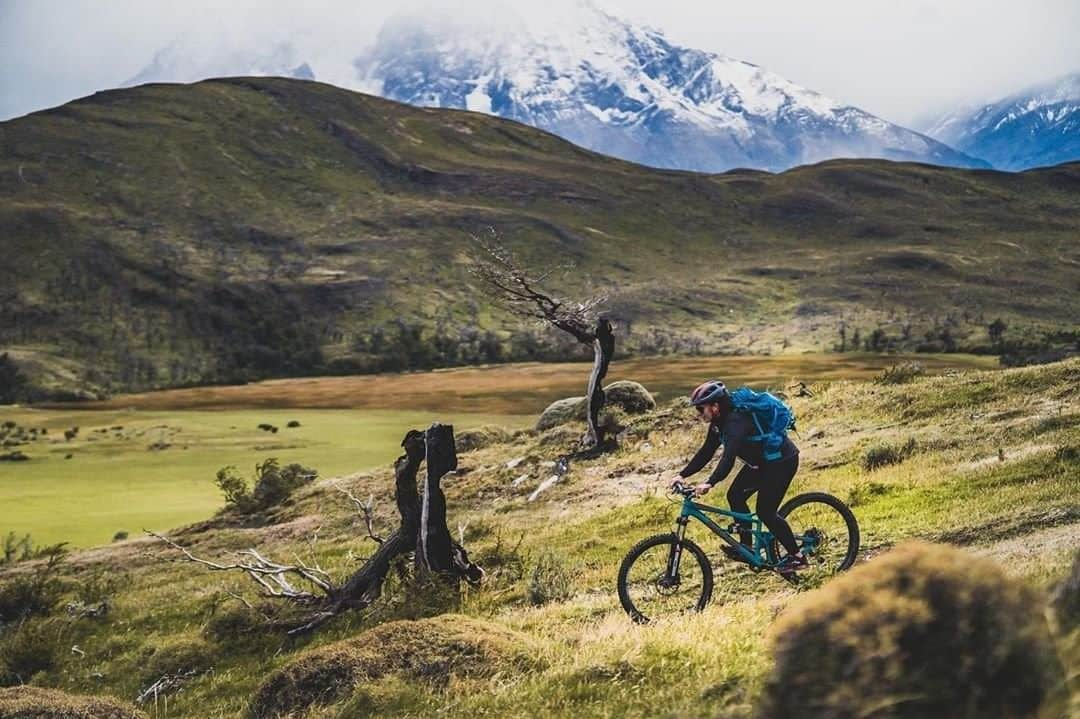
[{"x": 422, "y": 532}]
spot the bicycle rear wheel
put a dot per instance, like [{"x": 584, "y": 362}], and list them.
[
  {"x": 647, "y": 591},
  {"x": 825, "y": 529}
]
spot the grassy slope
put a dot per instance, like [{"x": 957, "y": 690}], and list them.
[
  {"x": 1022, "y": 511},
  {"x": 148, "y": 232}
]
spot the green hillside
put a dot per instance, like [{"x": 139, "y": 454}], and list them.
[
  {"x": 986, "y": 461},
  {"x": 240, "y": 228}
]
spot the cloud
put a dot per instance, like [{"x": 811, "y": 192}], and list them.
[{"x": 900, "y": 60}]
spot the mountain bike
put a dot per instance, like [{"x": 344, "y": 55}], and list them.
[{"x": 657, "y": 578}]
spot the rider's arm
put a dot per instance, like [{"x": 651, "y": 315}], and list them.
[
  {"x": 699, "y": 460},
  {"x": 736, "y": 430}
]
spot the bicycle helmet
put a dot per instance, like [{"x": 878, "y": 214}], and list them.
[{"x": 708, "y": 392}]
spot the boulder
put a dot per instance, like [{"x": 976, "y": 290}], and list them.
[{"x": 631, "y": 397}]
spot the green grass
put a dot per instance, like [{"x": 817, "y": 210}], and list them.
[
  {"x": 115, "y": 483},
  {"x": 1021, "y": 511}
]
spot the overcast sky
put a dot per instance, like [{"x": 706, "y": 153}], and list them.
[{"x": 903, "y": 60}]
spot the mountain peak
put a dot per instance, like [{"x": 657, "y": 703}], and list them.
[
  {"x": 574, "y": 69},
  {"x": 1037, "y": 126}
]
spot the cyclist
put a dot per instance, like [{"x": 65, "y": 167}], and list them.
[{"x": 770, "y": 479}]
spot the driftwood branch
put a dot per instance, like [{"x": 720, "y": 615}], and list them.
[{"x": 274, "y": 578}]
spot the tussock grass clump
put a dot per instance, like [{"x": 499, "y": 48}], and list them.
[
  {"x": 472, "y": 439},
  {"x": 38, "y": 703},
  {"x": 901, "y": 373},
  {"x": 923, "y": 632},
  {"x": 179, "y": 656},
  {"x": 877, "y": 456},
  {"x": 427, "y": 650},
  {"x": 865, "y": 492},
  {"x": 551, "y": 581}
]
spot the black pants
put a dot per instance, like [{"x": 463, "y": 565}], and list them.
[{"x": 771, "y": 481}]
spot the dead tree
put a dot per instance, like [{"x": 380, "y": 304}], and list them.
[
  {"x": 422, "y": 532},
  {"x": 519, "y": 290}
]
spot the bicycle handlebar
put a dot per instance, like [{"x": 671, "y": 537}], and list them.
[{"x": 683, "y": 489}]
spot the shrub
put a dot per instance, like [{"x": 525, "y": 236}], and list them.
[
  {"x": 16, "y": 549},
  {"x": 292, "y": 423},
  {"x": 120, "y": 536},
  {"x": 273, "y": 484},
  {"x": 234, "y": 488},
  {"x": 922, "y": 632},
  {"x": 29, "y": 648},
  {"x": 901, "y": 373},
  {"x": 550, "y": 581},
  {"x": 39, "y": 703},
  {"x": 33, "y": 594},
  {"x": 882, "y": 455},
  {"x": 428, "y": 650}
]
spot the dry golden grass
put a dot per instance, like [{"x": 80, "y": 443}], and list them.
[{"x": 514, "y": 388}]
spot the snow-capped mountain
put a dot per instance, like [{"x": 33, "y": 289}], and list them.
[
  {"x": 589, "y": 77},
  {"x": 627, "y": 91},
  {"x": 1036, "y": 127}
]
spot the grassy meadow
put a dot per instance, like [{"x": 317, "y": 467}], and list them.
[
  {"x": 987, "y": 461},
  {"x": 116, "y": 481},
  {"x": 115, "y": 478}
]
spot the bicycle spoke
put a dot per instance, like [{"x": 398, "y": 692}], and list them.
[
  {"x": 822, "y": 533},
  {"x": 653, "y": 593}
]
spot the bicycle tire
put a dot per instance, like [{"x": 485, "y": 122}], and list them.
[
  {"x": 663, "y": 540},
  {"x": 841, "y": 508}
]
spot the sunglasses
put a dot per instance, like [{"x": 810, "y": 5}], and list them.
[{"x": 700, "y": 409}]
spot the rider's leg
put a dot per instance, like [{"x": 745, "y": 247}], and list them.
[
  {"x": 746, "y": 482},
  {"x": 775, "y": 480}
]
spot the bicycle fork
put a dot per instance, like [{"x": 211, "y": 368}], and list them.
[{"x": 671, "y": 577}]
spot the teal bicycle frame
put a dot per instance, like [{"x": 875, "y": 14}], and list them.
[{"x": 761, "y": 554}]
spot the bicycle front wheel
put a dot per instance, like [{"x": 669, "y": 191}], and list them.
[
  {"x": 825, "y": 530},
  {"x": 648, "y": 590}
]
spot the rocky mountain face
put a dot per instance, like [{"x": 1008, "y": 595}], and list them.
[{"x": 1036, "y": 127}]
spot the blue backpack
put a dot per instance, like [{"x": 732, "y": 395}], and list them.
[{"x": 771, "y": 417}]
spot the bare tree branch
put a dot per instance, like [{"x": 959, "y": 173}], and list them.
[
  {"x": 271, "y": 576},
  {"x": 366, "y": 510},
  {"x": 504, "y": 279}
]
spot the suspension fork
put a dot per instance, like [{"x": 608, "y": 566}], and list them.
[{"x": 676, "y": 548}]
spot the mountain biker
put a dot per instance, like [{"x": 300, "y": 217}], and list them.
[{"x": 770, "y": 479}]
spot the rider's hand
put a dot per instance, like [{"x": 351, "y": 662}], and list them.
[
  {"x": 675, "y": 479},
  {"x": 702, "y": 489}
]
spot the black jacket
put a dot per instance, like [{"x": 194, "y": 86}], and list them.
[{"x": 733, "y": 432}]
